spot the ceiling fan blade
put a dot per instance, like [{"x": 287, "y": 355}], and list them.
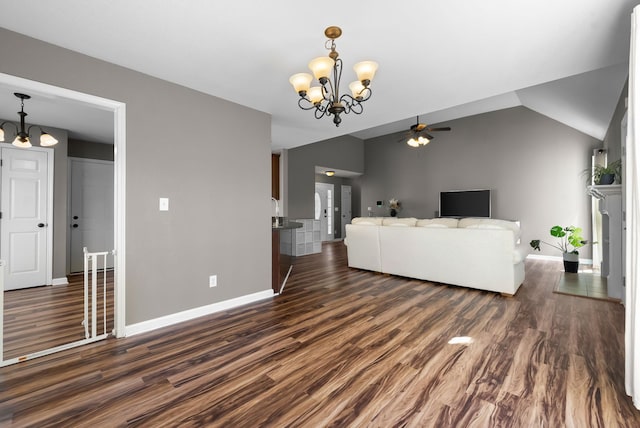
[
  {"x": 446, "y": 128},
  {"x": 407, "y": 137},
  {"x": 430, "y": 137}
]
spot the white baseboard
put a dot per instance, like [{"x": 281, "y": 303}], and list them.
[
  {"x": 60, "y": 281},
  {"x": 557, "y": 258},
  {"x": 167, "y": 320}
]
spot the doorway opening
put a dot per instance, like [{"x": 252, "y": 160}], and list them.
[
  {"x": 58, "y": 96},
  {"x": 90, "y": 210}
]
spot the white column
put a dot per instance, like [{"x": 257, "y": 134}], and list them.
[{"x": 632, "y": 195}]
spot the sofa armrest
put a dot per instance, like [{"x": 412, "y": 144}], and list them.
[{"x": 363, "y": 246}]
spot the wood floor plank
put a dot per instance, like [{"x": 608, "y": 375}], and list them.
[
  {"x": 45, "y": 317},
  {"x": 343, "y": 347}
]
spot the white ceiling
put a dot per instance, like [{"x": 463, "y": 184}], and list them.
[{"x": 440, "y": 59}]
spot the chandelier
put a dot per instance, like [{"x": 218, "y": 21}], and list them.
[
  {"x": 22, "y": 136},
  {"x": 325, "y": 100}
]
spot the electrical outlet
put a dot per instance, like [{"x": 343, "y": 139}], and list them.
[{"x": 213, "y": 281}]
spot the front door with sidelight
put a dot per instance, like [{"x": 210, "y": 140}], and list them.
[{"x": 325, "y": 198}]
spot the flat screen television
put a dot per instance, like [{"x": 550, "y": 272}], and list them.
[{"x": 465, "y": 203}]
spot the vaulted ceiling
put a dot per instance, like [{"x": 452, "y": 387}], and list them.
[{"x": 440, "y": 59}]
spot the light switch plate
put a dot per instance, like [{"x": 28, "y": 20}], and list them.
[{"x": 164, "y": 204}]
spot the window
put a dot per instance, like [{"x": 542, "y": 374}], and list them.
[
  {"x": 318, "y": 207},
  {"x": 329, "y": 212}
]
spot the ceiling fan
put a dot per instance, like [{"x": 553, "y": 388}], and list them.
[{"x": 419, "y": 135}]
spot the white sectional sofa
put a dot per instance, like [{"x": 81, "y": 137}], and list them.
[{"x": 470, "y": 252}]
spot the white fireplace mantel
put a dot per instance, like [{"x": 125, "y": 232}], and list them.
[{"x": 610, "y": 206}]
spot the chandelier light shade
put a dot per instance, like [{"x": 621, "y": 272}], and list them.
[
  {"x": 365, "y": 70},
  {"x": 301, "y": 81},
  {"x": 325, "y": 100},
  {"x": 322, "y": 67},
  {"x": 22, "y": 139}
]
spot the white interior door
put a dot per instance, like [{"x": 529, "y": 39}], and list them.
[
  {"x": 91, "y": 209},
  {"x": 326, "y": 195},
  {"x": 24, "y": 203},
  {"x": 345, "y": 201}
]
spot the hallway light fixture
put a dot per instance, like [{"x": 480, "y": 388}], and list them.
[
  {"x": 22, "y": 136},
  {"x": 325, "y": 99},
  {"x": 330, "y": 173}
]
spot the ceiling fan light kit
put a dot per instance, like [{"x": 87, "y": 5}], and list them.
[
  {"x": 419, "y": 134},
  {"x": 22, "y": 139},
  {"x": 417, "y": 142},
  {"x": 325, "y": 100}
]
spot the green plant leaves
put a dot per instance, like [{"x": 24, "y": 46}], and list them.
[
  {"x": 568, "y": 236},
  {"x": 557, "y": 231},
  {"x": 575, "y": 237}
]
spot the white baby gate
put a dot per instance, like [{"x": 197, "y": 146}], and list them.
[
  {"x": 92, "y": 265},
  {"x": 95, "y": 269}
]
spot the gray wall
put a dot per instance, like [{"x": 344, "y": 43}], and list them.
[
  {"x": 531, "y": 163},
  {"x": 90, "y": 150},
  {"x": 346, "y": 153},
  {"x": 612, "y": 141},
  {"x": 218, "y": 185},
  {"x": 60, "y": 200}
]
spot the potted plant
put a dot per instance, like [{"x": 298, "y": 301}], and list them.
[
  {"x": 394, "y": 207},
  {"x": 571, "y": 239},
  {"x": 605, "y": 174}
]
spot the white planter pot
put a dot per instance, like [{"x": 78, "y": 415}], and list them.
[{"x": 571, "y": 262}]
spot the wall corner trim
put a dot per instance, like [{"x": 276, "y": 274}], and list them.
[
  {"x": 60, "y": 281},
  {"x": 167, "y": 320}
]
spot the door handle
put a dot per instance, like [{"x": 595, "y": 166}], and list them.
[{"x": 41, "y": 225}]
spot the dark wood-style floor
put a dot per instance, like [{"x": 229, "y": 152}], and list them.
[
  {"x": 45, "y": 317},
  {"x": 344, "y": 347}
]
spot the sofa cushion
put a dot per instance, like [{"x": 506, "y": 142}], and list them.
[
  {"x": 367, "y": 221},
  {"x": 438, "y": 222},
  {"x": 395, "y": 221},
  {"x": 490, "y": 223}
]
